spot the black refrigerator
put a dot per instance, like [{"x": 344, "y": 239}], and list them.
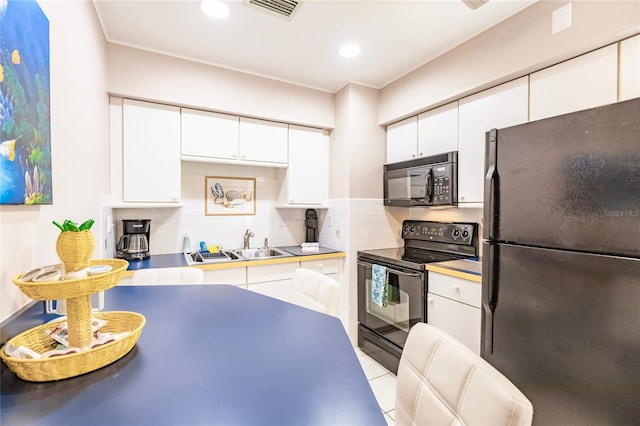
[{"x": 561, "y": 263}]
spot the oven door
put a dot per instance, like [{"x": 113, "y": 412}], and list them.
[{"x": 405, "y": 302}]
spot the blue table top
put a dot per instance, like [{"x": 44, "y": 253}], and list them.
[{"x": 207, "y": 355}]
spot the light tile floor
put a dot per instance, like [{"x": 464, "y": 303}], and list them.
[{"x": 383, "y": 384}]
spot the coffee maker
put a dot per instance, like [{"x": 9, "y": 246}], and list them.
[
  {"x": 134, "y": 242},
  {"x": 311, "y": 223}
]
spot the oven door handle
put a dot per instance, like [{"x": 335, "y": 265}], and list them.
[{"x": 395, "y": 271}]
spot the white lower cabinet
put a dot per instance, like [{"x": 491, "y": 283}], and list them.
[
  {"x": 453, "y": 305},
  {"x": 271, "y": 280},
  {"x": 325, "y": 267},
  {"x": 233, "y": 276}
]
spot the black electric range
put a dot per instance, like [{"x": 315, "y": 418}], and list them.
[{"x": 383, "y": 325}]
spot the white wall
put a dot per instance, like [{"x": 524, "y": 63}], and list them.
[
  {"x": 515, "y": 47},
  {"x": 151, "y": 76},
  {"x": 79, "y": 146}
]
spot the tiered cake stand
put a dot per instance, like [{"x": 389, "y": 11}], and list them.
[{"x": 77, "y": 293}]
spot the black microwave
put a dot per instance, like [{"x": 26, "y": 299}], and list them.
[{"x": 425, "y": 181}]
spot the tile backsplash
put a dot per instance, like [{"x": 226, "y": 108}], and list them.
[
  {"x": 169, "y": 226},
  {"x": 348, "y": 224}
]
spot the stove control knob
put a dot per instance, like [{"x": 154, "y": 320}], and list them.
[
  {"x": 456, "y": 233},
  {"x": 465, "y": 234},
  {"x": 413, "y": 229}
]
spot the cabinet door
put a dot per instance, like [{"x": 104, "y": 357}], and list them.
[
  {"x": 264, "y": 141},
  {"x": 501, "y": 106},
  {"x": 325, "y": 266},
  {"x": 271, "y": 280},
  {"x": 438, "y": 130},
  {"x": 231, "y": 276},
  {"x": 402, "y": 140},
  {"x": 461, "y": 321},
  {"x": 151, "y": 152},
  {"x": 208, "y": 134},
  {"x": 307, "y": 177},
  {"x": 629, "y": 68},
  {"x": 584, "y": 82}
]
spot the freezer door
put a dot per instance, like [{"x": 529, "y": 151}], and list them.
[
  {"x": 564, "y": 327},
  {"x": 570, "y": 182}
]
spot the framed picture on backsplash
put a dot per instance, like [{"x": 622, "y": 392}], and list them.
[{"x": 229, "y": 196}]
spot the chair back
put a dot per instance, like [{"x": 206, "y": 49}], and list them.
[
  {"x": 441, "y": 381},
  {"x": 315, "y": 291},
  {"x": 168, "y": 276}
]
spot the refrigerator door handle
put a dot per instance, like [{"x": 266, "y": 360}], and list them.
[
  {"x": 489, "y": 295},
  {"x": 490, "y": 186}
]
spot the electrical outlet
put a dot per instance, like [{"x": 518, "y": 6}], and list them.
[
  {"x": 330, "y": 220},
  {"x": 338, "y": 233}
]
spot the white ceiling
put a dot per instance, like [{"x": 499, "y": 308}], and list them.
[{"x": 396, "y": 36}]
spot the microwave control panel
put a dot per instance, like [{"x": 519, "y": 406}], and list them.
[{"x": 441, "y": 184}]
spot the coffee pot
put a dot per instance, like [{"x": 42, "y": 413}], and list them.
[{"x": 134, "y": 243}]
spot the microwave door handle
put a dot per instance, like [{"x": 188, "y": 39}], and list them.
[{"x": 430, "y": 186}]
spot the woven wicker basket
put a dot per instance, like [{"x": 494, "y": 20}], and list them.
[
  {"x": 67, "y": 289},
  {"x": 65, "y": 366},
  {"x": 77, "y": 293},
  {"x": 75, "y": 249}
]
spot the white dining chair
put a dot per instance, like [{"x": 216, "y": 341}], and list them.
[
  {"x": 315, "y": 291},
  {"x": 441, "y": 381},
  {"x": 167, "y": 276}
]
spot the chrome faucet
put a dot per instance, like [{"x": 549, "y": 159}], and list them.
[{"x": 247, "y": 234}]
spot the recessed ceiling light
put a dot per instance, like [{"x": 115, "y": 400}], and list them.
[
  {"x": 350, "y": 50},
  {"x": 215, "y": 9}
]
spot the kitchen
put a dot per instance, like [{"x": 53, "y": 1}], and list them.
[{"x": 356, "y": 114}]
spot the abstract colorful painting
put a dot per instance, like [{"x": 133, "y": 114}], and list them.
[{"x": 25, "y": 130}]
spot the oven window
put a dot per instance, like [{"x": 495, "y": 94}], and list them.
[{"x": 396, "y": 311}]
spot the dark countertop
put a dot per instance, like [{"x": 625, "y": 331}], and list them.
[
  {"x": 209, "y": 355},
  {"x": 177, "y": 259},
  {"x": 297, "y": 250},
  {"x": 158, "y": 261}
]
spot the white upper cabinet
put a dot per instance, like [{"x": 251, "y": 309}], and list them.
[
  {"x": 630, "y": 68},
  {"x": 438, "y": 130},
  {"x": 501, "y": 106},
  {"x": 221, "y": 138},
  {"x": 150, "y": 152},
  {"x": 264, "y": 141},
  {"x": 402, "y": 140},
  {"x": 306, "y": 180},
  {"x": 584, "y": 82},
  {"x": 209, "y": 134}
]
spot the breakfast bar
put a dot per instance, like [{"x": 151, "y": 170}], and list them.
[{"x": 208, "y": 354}]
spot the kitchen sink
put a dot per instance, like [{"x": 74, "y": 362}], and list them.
[
  {"x": 196, "y": 258},
  {"x": 259, "y": 253}
]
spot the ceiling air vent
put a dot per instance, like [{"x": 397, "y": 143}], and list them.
[
  {"x": 474, "y": 4},
  {"x": 281, "y": 8}
]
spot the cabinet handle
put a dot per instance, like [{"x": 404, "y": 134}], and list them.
[
  {"x": 430, "y": 300},
  {"x": 456, "y": 288},
  {"x": 420, "y": 154}
]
